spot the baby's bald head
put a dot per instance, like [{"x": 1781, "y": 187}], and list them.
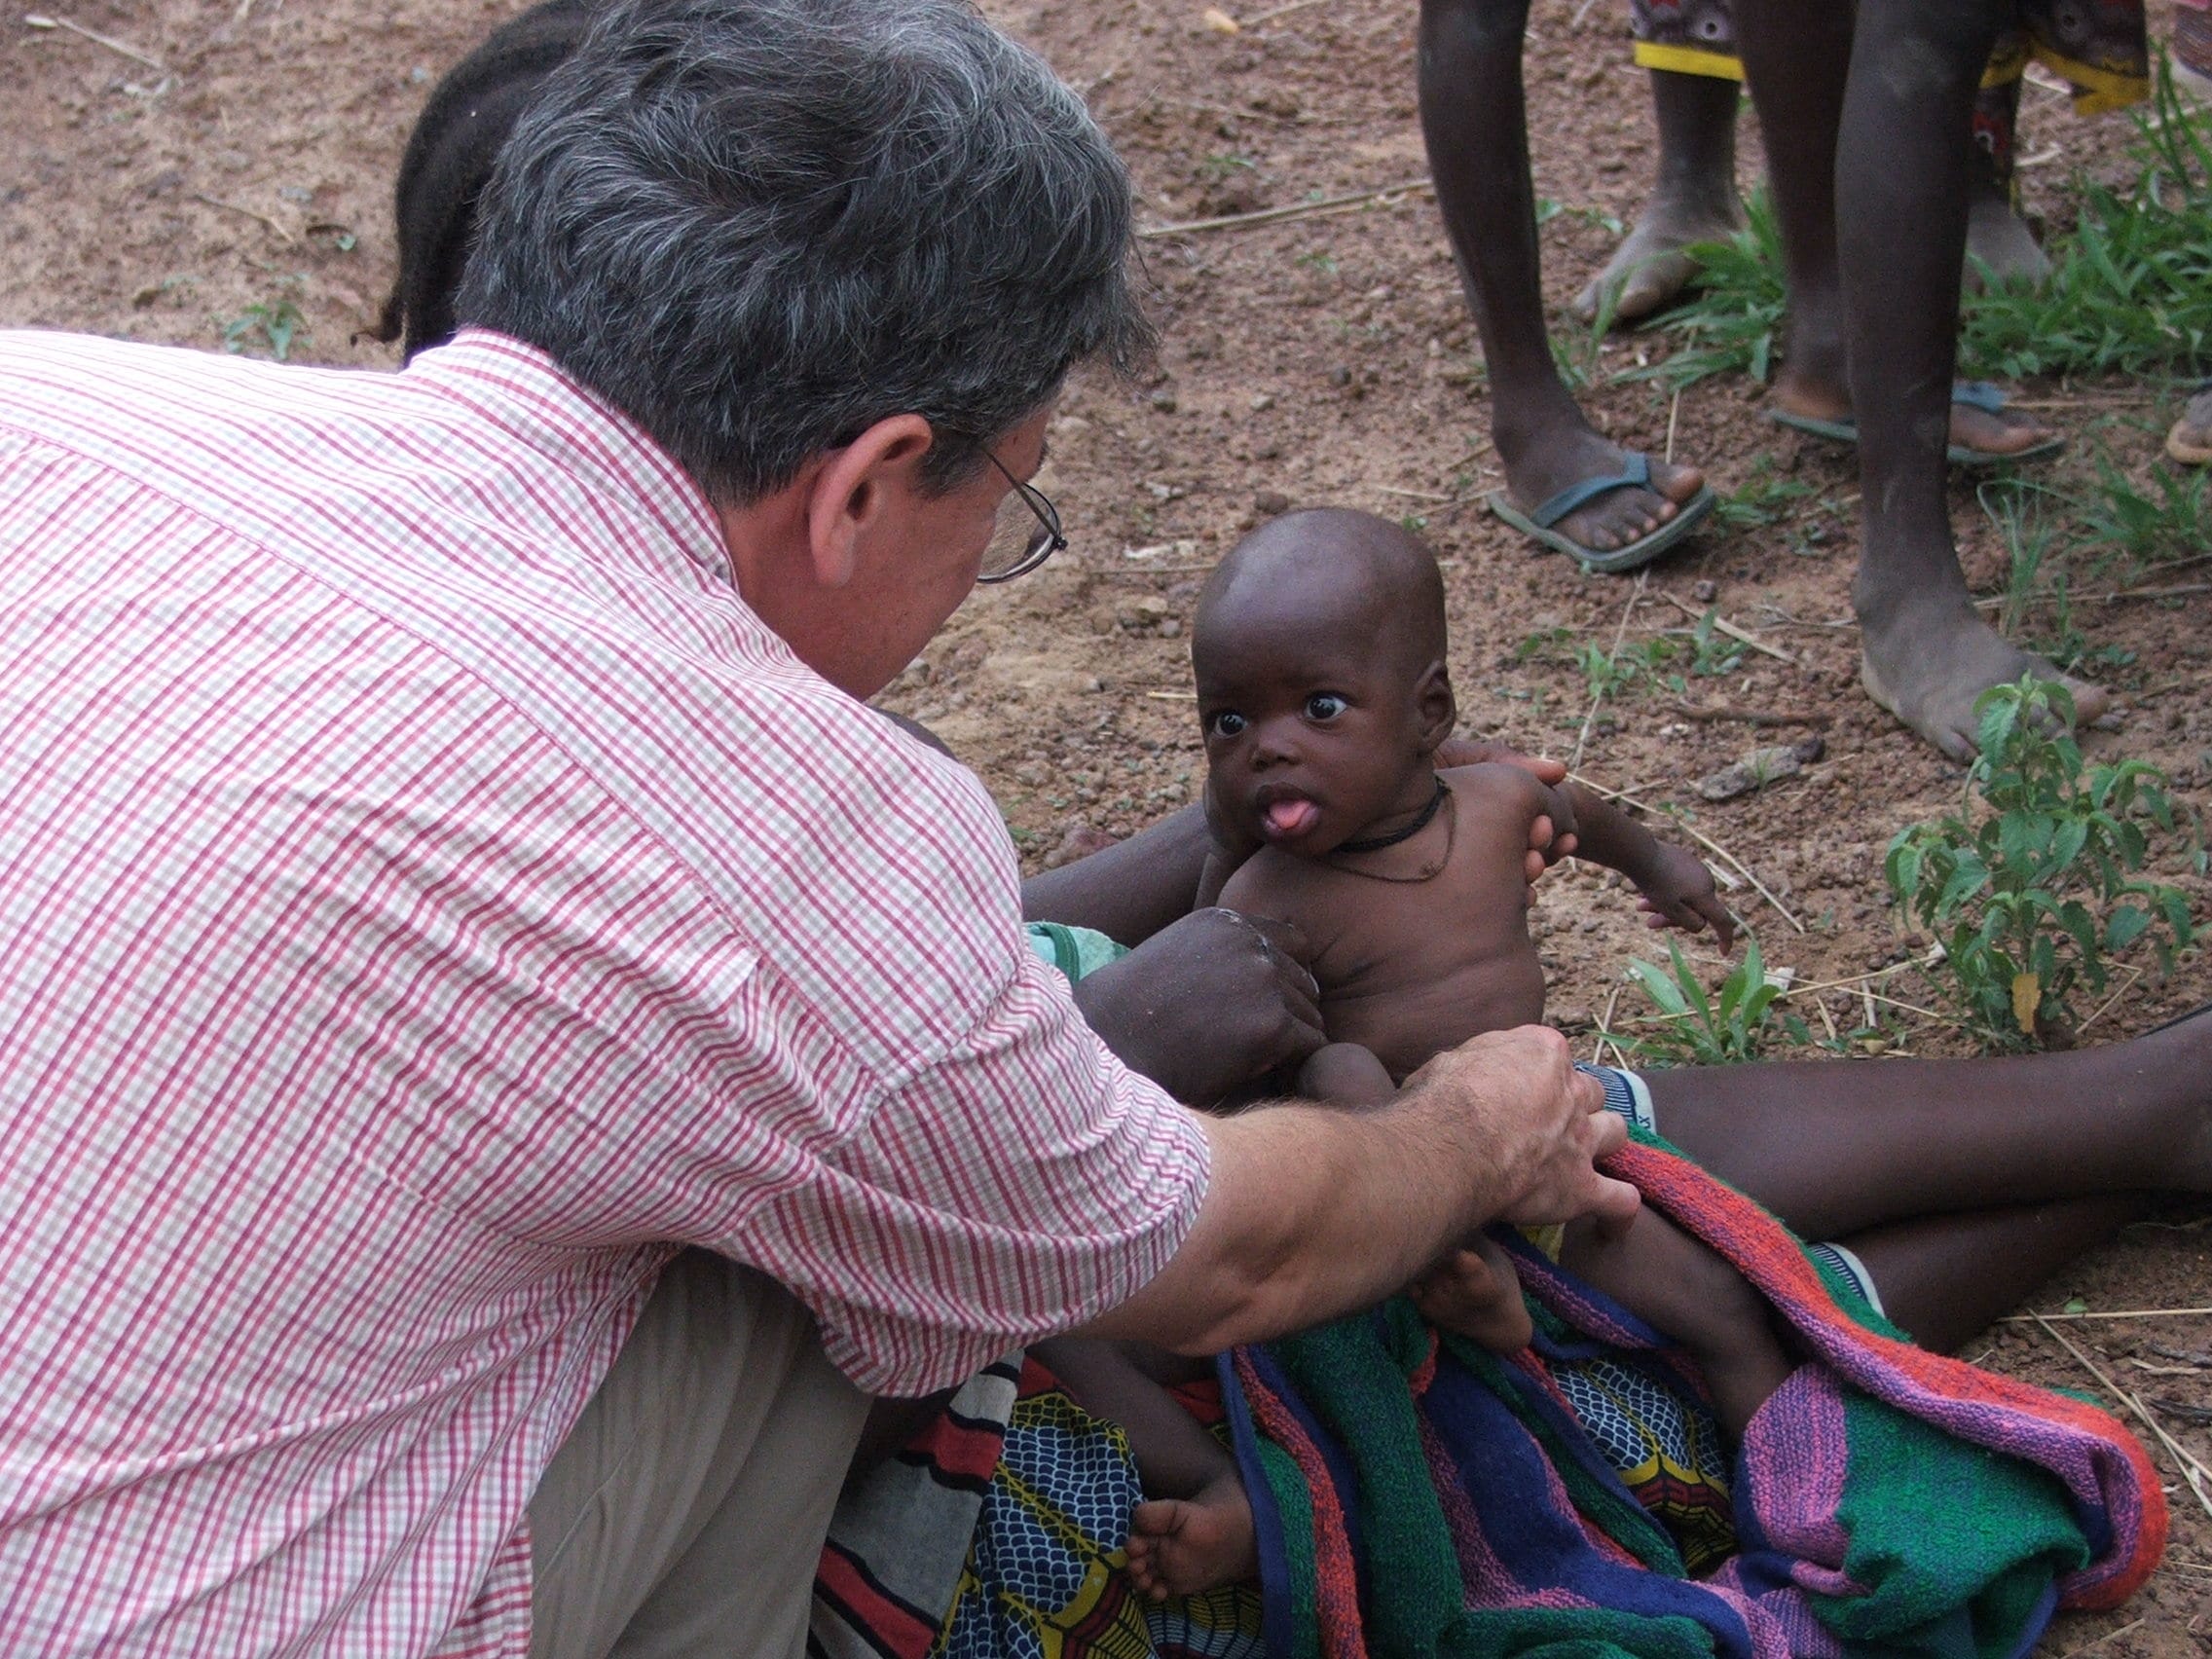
[{"x": 1329, "y": 567}]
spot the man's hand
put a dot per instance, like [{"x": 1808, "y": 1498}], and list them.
[
  {"x": 1207, "y": 1004},
  {"x": 1551, "y": 837},
  {"x": 1541, "y": 1125},
  {"x": 1678, "y": 892}
]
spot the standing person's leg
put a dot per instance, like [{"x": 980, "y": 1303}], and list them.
[
  {"x": 1997, "y": 237},
  {"x": 1902, "y": 218},
  {"x": 1796, "y": 59},
  {"x": 685, "y": 1512},
  {"x": 1474, "y": 120},
  {"x": 1693, "y": 198}
]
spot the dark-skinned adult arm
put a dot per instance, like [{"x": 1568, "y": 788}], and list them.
[
  {"x": 1311, "y": 1213},
  {"x": 1207, "y": 1004},
  {"x": 1128, "y": 891}
]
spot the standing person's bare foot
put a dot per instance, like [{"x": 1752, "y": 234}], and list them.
[
  {"x": 1652, "y": 266},
  {"x": 1180, "y": 1547},
  {"x": 1999, "y": 239},
  {"x": 1927, "y": 663},
  {"x": 1540, "y": 465},
  {"x": 1693, "y": 199}
]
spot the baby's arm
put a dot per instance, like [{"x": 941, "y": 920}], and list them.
[{"x": 1676, "y": 887}]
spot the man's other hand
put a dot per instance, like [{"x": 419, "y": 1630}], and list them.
[{"x": 1539, "y": 1124}]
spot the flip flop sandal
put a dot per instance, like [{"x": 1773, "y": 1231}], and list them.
[
  {"x": 1635, "y": 473},
  {"x": 1974, "y": 394}
]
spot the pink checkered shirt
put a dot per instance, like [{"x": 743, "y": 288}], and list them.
[{"x": 426, "y": 893}]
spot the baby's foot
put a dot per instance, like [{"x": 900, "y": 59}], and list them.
[
  {"x": 1475, "y": 1292},
  {"x": 1650, "y": 266},
  {"x": 1181, "y": 1546}
]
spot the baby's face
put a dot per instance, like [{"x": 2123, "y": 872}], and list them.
[{"x": 1311, "y": 736}]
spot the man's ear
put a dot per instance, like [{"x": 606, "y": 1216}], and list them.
[
  {"x": 1436, "y": 709},
  {"x": 861, "y": 490}
]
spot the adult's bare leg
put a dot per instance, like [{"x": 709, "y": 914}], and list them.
[
  {"x": 1944, "y": 1279},
  {"x": 1998, "y": 239},
  {"x": 1901, "y": 219},
  {"x": 1838, "y": 1148},
  {"x": 1474, "y": 120},
  {"x": 1693, "y": 200},
  {"x": 1797, "y": 61}
]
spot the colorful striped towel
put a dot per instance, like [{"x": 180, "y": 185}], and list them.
[{"x": 1419, "y": 1497}]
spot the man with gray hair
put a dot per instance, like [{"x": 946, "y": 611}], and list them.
[{"x": 503, "y": 1053}]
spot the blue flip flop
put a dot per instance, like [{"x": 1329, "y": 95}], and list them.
[
  {"x": 1974, "y": 394},
  {"x": 1635, "y": 473}
]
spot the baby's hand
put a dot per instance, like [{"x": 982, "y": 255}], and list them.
[{"x": 1678, "y": 893}]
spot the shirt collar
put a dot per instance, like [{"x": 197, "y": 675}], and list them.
[{"x": 544, "y": 409}]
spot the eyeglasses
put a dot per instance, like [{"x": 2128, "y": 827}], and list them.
[{"x": 1026, "y": 535}]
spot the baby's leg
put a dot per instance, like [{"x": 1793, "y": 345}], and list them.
[
  {"x": 1345, "y": 1074},
  {"x": 1195, "y": 1531},
  {"x": 1692, "y": 1293}
]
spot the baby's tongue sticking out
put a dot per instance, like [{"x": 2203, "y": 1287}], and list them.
[{"x": 1292, "y": 817}]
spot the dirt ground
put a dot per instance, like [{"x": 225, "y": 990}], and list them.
[{"x": 243, "y": 173}]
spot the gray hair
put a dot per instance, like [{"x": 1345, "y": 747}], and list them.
[{"x": 757, "y": 227}]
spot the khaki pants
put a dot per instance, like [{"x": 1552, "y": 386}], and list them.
[{"x": 685, "y": 1511}]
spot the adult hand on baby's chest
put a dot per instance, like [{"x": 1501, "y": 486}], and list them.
[{"x": 1208, "y": 1004}]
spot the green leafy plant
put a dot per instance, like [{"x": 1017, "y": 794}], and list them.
[
  {"x": 2036, "y": 584},
  {"x": 1692, "y": 1027},
  {"x": 2035, "y": 895},
  {"x": 1713, "y": 654},
  {"x": 2131, "y": 291},
  {"x": 1632, "y": 666},
  {"x": 1731, "y": 321}
]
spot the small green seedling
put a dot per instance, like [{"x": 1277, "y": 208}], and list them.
[
  {"x": 268, "y": 327},
  {"x": 1713, "y": 654},
  {"x": 2163, "y": 521},
  {"x": 1694, "y": 1028},
  {"x": 1730, "y": 321},
  {"x": 1761, "y": 499},
  {"x": 1634, "y": 665},
  {"x": 2036, "y": 896}
]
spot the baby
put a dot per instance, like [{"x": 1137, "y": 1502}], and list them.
[{"x": 1318, "y": 647}]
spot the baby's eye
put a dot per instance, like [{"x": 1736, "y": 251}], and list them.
[
  {"x": 1225, "y": 722},
  {"x": 1325, "y": 706}
]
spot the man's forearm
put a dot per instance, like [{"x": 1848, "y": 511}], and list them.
[
  {"x": 1132, "y": 889},
  {"x": 1313, "y": 1212}
]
